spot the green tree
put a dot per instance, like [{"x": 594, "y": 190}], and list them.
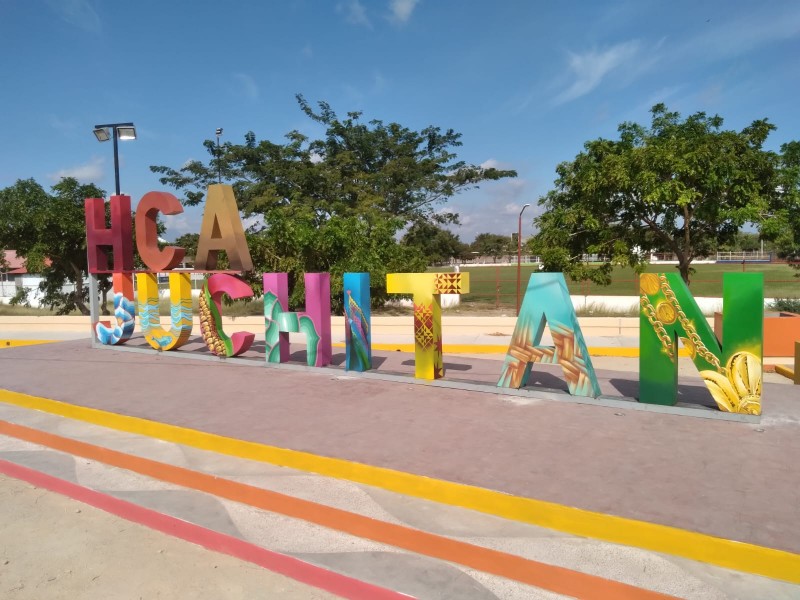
[
  {"x": 492, "y": 244},
  {"x": 783, "y": 228},
  {"x": 188, "y": 241},
  {"x": 435, "y": 244},
  {"x": 682, "y": 185},
  {"x": 372, "y": 178},
  {"x": 743, "y": 241},
  {"x": 298, "y": 244},
  {"x": 367, "y": 169},
  {"x": 48, "y": 230}
]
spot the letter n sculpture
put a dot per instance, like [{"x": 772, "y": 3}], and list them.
[
  {"x": 426, "y": 289},
  {"x": 547, "y": 302},
  {"x": 731, "y": 367}
]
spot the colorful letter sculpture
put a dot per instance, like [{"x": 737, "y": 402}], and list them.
[
  {"x": 211, "y": 315},
  {"x": 122, "y": 330},
  {"x": 222, "y": 229},
  {"x": 180, "y": 296},
  {"x": 547, "y": 302},
  {"x": 314, "y": 323},
  {"x": 358, "y": 337},
  {"x": 426, "y": 289},
  {"x": 732, "y": 371},
  {"x": 147, "y": 231},
  {"x": 99, "y": 238}
]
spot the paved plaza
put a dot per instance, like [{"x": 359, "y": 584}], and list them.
[{"x": 434, "y": 491}]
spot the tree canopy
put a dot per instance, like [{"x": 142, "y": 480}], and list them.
[
  {"x": 436, "y": 244},
  {"x": 48, "y": 230},
  {"x": 493, "y": 244},
  {"x": 359, "y": 185},
  {"x": 369, "y": 169},
  {"x": 684, "y": 186},
  {"x": 784, "y": 226}
]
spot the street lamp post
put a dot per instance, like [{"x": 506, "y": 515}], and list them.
[
  {"x": 219, "y": 164},
  {"x": 122, "y": 131},
  {"x": 103, "y": 133},
  {"x": 519, "y": 253}
]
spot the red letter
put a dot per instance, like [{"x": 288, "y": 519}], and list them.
[
  {"x": 147, "y": 231},
  {"x": 99, "y": 238}
]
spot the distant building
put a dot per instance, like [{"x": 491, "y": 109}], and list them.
[{"x": 15, "y": 277}]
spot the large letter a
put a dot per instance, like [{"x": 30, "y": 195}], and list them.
[{"x": 547, "y": 302}]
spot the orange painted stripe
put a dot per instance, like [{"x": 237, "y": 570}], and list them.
[{"x": 556, "y": 579}]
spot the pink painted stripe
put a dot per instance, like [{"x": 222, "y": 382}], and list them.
[{"x": 335, "y": 583}]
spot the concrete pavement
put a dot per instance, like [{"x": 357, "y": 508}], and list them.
[
  {"x": 92, "y": 554},
  {"x": 383, "y": 564},
  {"x": 735, "y": 481}
]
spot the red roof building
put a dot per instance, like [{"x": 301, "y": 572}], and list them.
[{"x": 12, "y": 264}]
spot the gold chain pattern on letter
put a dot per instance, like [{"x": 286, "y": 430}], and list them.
[{"x": 699, "y": 346}]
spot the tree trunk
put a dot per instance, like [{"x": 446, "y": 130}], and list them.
[
  {"x": 79, "y": 296},
  {"x": 683, "y": 267}
]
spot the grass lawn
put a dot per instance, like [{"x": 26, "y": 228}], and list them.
[
  {"x": 491, "y": 282},
  {"x": 495, "y": 286}
]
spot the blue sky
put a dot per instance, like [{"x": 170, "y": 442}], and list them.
[{"x": 525, "y": 82}]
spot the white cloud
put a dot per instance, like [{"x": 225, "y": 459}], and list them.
[
  {"x": 354, "y": 12},
  {"x": 307, "y": 51},
  {"x": 512, "y": 208},
  {"x": 89, "y": 172},
  {"x": 402, "y": 9},
  {"x": 493, "y": 163},
  {"x": 494, "y": 208},
  {"x": 186, "y": 222},
  {"x": 248, "y": 85},
  {"x": 591, "y": 67},
  {"x": 176, "y": 225},
  {"x": 78, "y": 13}
]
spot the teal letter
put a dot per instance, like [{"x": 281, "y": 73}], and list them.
[{"x": 547, "y": 301}]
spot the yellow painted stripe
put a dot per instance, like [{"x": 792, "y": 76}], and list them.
[
  {"x": 13, "y": 343},
  {"x": 740, "y": 556},
  {"x": 619, "y": 351}
]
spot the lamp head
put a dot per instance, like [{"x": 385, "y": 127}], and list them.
[
  {"x": 126, "y": 132},
  {"x": 102, "y": 134}
]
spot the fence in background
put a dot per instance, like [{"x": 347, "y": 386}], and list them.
[{"x": 497, "y": 286}]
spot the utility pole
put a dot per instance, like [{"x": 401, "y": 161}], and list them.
[
  {"x": 219, "y": 160},
  {"x": 519, "y": 252}
]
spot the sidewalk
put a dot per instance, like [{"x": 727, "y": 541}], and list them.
[
  {"x": 467, "y": 437},
  {"x": 413, "y": 443},
  {"x": 96, "y": 555},
  {"x": 395, "y": 547}
]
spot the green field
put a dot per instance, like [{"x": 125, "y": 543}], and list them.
[
  {"x": 498, "y": 284},
  {"x": 495, "y": 286}
]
